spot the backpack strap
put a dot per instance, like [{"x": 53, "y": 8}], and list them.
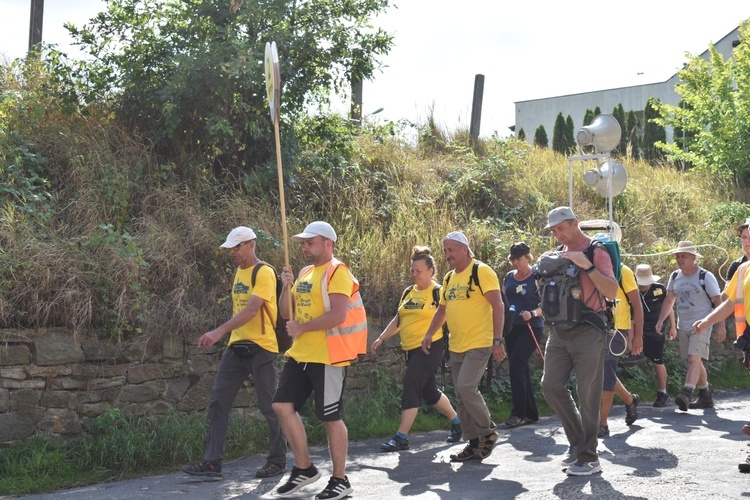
[
  {"x": 264, "y": 306},
  {"x": 406, "y": 292},
  {"x": 436, "y": 294},
  {"x": 475, "y": 275}
]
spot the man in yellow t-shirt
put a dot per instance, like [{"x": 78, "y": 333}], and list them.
[
  {"x": 308, "y": 368},
  {"x": 252, "y": 351},
  {"x": 627, "y": 297},
  {"x": 474, "y": 312}
]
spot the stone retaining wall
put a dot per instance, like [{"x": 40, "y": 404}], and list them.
[{"x": 52, "y": 381}]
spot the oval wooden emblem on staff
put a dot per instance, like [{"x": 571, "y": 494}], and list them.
[{"x": 273, "y": 80}]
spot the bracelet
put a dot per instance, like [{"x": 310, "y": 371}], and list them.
[{"x": 590, "y": 269}]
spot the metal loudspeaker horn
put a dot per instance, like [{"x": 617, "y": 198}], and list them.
[
  {"x": 599, "y": 177},
  {"x": 603, "y": 133}
]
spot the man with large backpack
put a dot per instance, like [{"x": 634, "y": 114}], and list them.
[
  {"x": 696, "y": 292},
  {"x": 577, "y": 343},
  {"x": 252, "y": 350},
  {"x": 472, "y": 305}
]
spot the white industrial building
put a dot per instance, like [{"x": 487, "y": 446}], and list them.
[{"x": 535, "y": 112}]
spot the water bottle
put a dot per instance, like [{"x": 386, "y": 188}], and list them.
[
  {"x": 575, "y": 305},
  {"x": 551, "y": 300},
  {"x": 511, "y": 316}
]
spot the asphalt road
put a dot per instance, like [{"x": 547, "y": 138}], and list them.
[{"x": 666, "y": 454}]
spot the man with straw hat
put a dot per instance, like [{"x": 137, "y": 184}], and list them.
[
  {"x": 653, "y": 294},
  {"x": 695, "y": 292}
]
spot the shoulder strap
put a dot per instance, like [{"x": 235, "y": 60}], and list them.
[
  {"x": 673, "y": 276},
  {"x": 406, "y": 292},
  {"x": 263, "y": 307},
  {"x": 254, "y": 275},
  {"x": 475, "y": 275},
  {"x": 702, "y": 282},
  {"x": 436, "y": 294}
]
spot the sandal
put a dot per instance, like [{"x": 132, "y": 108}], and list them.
[
  {"x": 456, "y": 433},
  {"x": 466, "y": 454},
  {"x": 486, "y": 443},
  {"x": 270, "y": 470},
  {"x": 395, "y": 444}
]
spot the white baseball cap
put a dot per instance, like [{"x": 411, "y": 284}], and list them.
[
  {"x": 238, "y": 235},
  {"x": 317, "y": 228},
  {"x": 460, "y": 238}
]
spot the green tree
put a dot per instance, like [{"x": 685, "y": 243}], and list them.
[
  {"x": 597, "y": 111},
  {"x": 189, "y": 76},
  {"x": 588, "y": 117},
  {"x": 714, "y": 115},
  {"x": 558, "y": 135},
  {"x": 631, "y": 134},
  {"x": 654, "y": 134},
  {"x": 540, "y": 137},
  {"x": 570, "y": 140},
  {"x": 522, "y": 135},
  {"x": 619, "y": 114}
]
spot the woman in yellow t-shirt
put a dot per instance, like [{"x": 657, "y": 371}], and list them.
[{"x": 415, "y": 311}]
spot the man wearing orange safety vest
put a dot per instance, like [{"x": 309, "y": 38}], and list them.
[{"x": 329, "y": 328}]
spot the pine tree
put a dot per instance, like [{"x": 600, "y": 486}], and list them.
[
  {"x": 522, "y": 135},
  {"x": 570, "y": 140},
  {"x": 540, "y": 137},
  {"x": 631, "y": 134},
  {"x": 652, "y": 132},
  {"x": 588, "y": 117},
  {"x": 619, "y": 114},
  {"x": 558, "y": 135}
]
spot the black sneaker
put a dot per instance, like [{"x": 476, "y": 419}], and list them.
[
  {"x": 631, "y": 410},
  {"x": 297, "y": 479},
  {"x": 745, "y": 466},
  {"x": 204, "y": 469},
  {"x": 337, "y": 488},
  {"x": 662, "y": 399}
]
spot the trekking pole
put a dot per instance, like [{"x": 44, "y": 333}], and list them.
[{"x": 538, "y": 349}]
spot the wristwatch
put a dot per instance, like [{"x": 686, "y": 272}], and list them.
[{"x": 497, "y": 341}]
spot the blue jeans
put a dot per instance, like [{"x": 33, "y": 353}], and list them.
[{"x": 232, "y": 373}]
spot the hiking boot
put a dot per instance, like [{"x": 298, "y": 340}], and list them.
[
  {"x": 603, "y": 431},
  {"x": 456, "y": 433},
  {"x": 570, "y": 457},
  {"x": 514, "y": 421},
  {"x": 205, "y": 469},
  {"x": 745, "y": 466},
  {"x": 705, "y": 400},
  {"x": 467, "y": 453},
  {"x": 584, "y": 468},
  {"x": 270, "y": 470},
  {"x": 682, "y": 400},
  {"x": 337, "y": 488},
  {"x": 486, "y": 443},
  {"x": 395, "y": 444},
  {"x": 631, "y": 410},
  {"x": 662, "y": 398},
  {"x": 297, "y": 479}
]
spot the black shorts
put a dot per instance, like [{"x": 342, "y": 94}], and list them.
[
  {"x": 653, "y": 348},
  {"x": 298, "y": 380},
  {"x": 419, "y": 379}
]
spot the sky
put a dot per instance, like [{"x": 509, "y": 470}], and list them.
[{"x": 525, "y": 50}]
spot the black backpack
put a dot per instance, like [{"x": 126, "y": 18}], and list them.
[
  {"x": 282, "y": 337},
  {"x": 701, "y": 281}
]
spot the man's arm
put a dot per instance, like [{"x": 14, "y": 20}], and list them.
[
  {"x": 331, "y": 319},
  {"x": 719, "y": 314},
  {"x": 498, "y": 320},
  {"x": 607, "y": 285},
  {"x": 635, "y": 303},
  {"x": 246, "y": 314},
  {"x": 666, "y": 308},
  {"x": 721, "y": 327}
]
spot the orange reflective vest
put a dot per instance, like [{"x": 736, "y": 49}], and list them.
[{"x": 349, "y": 339}]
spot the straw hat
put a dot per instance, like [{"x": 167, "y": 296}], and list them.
[
  {"x": 644, "y": 276},
  {"x": 686, "y": 247}
]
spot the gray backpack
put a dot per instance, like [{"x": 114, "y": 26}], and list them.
[{"x": 560, "y": 291}]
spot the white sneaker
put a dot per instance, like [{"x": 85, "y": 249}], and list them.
[
  {"x": 570, "y": 457},
  {"x": 584, "y": 468}
]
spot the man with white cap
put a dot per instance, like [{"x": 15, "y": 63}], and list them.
[
  {"x": 252, "y": 350},
  {"x": 696, "y": 292},
  {"x": 329, "y": 328},
  {"x": 653, "y": 294},
  {"x": 472, "y": 306},
  {"x": 581, "y": 348}
]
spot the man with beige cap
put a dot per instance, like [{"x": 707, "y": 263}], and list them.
[
  {"x": 252, "y": 350},
  {"x": 652, "y": 295},
  {"x": 472, "y": 305},
  {"x": 695, "y": 292},
  {"x": 579, "y": 349}
]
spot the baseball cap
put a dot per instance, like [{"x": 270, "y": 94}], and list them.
[
  {"x": 317, "y": 228},
  {"x": 519, "y": 249},
  {"x": 559, "y": 214},
  {"x": 237, "y": 236},
  {"x": 460, "y": 238}
]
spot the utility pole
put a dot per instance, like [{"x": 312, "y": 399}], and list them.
[
  {"x": 35, "y": 26},
  {"x": 476, "y": 108}
]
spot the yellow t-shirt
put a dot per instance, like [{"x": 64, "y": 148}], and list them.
[
  {"x": 265, "y": 288},
  {"x": 312, "y": 346},
  {"x": 622, "y": 310},
  {"x": 467, "y": 312},
  {"x": 415, "y": 314},
  {"x": 731, "y": 291}
]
